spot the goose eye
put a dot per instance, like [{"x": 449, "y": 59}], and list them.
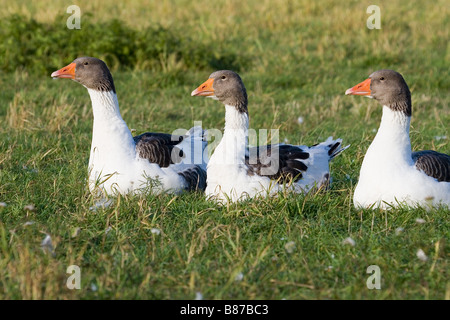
[
  {"x": 223, "y": 77},
  {"x": 382, "y": 78},
  {"x": 86, "y": 63}
]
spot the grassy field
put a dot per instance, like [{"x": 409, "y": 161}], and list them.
[{"x": 296, "y": 58}]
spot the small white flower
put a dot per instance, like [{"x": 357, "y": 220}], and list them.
[
  {"x": 374, "y": 130},
  {"x": 239, "y": 277},
  {"x": 290, "y": 246},
  {"x": 102, "y": 203},
  {"x": 47, "y": 241},
  {"x": 3, "y": 204},
  {"x": 94, "y": 287},
  {"x": 421, "y": 255},
  {"x": 286, "y": 140},
  {"x": 198, "y": 296},
  {"x": 399, "y": 230},
  {"x": 28, "y": 223},
  {"x": 155, "y": 231},
  {"x": 47, "y": 244},
  {"x": 108, "y": 230},
  {"x": 328, "y": 268},
  {"x": 420, "y": 221},
  {"x": 76, "y": 232},
  {"x": 300, "y": 120},
  {"x": 332, "y": 256},
  {"x": 349, "y": 241},
  {"x": 29, "y": 207},
  {"x": 440, "y": 138}
]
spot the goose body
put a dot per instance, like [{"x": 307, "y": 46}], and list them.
[
  {"x": 237, "y": 172},
  {"x": 121, "y": 163},
  {"x": 391, "y": 174}
]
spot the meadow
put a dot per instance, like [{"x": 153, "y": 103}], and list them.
[{"x": 296, "y": 59}]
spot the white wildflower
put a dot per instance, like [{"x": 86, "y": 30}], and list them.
[
  {"x": 239, "y": 277},
  {"x": 76, "y": 232},
  {"x": 290, "y": 246},
  {"x": 102, "y": 203},
  {"x": 155, "y": 231},
  {"x": 349, "y": 241},
  {"x": 421, "y": 255},
  {"x": 47, "y": 245},
  {"x": 420, "y": 221},
  {"x": 198, "y": 296},
  {"x": 29, "y": 207}
]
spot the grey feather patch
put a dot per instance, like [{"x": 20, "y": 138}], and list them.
[
  {"x": 287, "y": 165},
  {"x": 195, "y": 178},
  {"x": 433, "y": 164},
  {"x": 158, "y": 148}
]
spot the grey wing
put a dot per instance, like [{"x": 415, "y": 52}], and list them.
[
  {"x": 159, "y": 148},
  {"x": 434, "y": 164},
  {"x": 276, "y": 162},
  {"x": 195, "y": 178}
]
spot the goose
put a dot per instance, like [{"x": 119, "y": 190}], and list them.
[
  {"x": 236, "y": 172},
  {"x": 391, "y": 174},
  {"x": 121, "y": 163}
]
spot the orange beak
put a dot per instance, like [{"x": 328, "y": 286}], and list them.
[
  {"x": 361, "y": 89},
  {"x": 205, "y": 89},
  {"x": 66, "y": 72}
]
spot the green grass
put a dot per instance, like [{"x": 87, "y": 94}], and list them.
[{"x": 296, "y": 58}]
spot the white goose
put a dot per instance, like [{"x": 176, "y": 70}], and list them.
[
  {"x": 121, "y": 163},
  {"x": 391, "y": 174},
  {"x": 236, "y": 172}
]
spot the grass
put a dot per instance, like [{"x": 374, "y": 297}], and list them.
[{"x": 300, "y": 57}]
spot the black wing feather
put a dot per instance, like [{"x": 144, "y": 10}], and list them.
[
  {"x": 195, "y": 177},
  {"x": 434, "y": 164},
  {"x": 158, "y": 148},
  {"x": 289, "y": 168}
]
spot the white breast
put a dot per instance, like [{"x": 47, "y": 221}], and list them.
[
  {"x": 388, "y": 175},
  {"x": 227, "y": 173},
  {"x": 114, "y": 165}
]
